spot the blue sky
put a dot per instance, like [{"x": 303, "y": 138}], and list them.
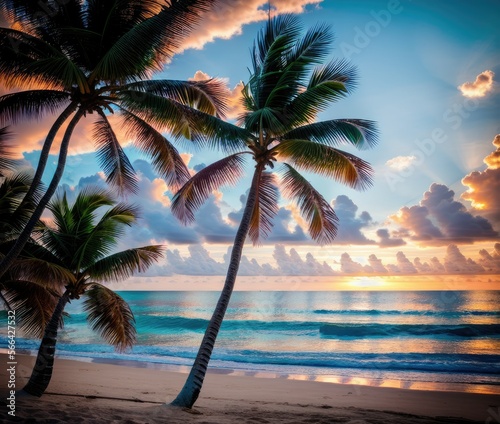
[{"x": 411, "y": 56}]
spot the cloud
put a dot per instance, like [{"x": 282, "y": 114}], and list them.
[
  {"x": 387, "y": 241},
  {"x": 348, "y": 266},
  {"x": 400, "y": 163},
  {"x": 198, "y": 261},
  {"x": 483, "y": 187},
  {"x": 480, "y": 87},
  {"x": 456, "y": 263},
  {"x": 490, "y": 261},
  {"x": 229, "y": 17},
  {"x": 292, "y": 264},
  {"x": 376, "y": 265},
  {"x": 439, "y": 219},
  {"x": 350, "y": 225}
]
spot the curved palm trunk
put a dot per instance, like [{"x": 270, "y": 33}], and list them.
[
  {"x": 192, "y": 387},
  {"x": 37, "y": 213},
  {"x": 42, "y": 371},
  {"x": 44, "y": 154}
]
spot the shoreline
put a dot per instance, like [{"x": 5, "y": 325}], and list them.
[
  {"x": 138, "y": 395},
  {"x": 342, "y": 377}
]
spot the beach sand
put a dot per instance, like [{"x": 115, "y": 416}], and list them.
[{"x": 87, "y": 392}]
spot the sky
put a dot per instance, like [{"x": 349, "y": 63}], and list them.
[{"x": 428, "y": 75}]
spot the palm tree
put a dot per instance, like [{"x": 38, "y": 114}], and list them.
[
  {"x": 81, "y": 244},
  {"x": 286, "y": 90},
  {"x": 92, "y": 57}
]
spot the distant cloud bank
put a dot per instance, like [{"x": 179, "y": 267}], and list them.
[{"x": 199, "y": 262}]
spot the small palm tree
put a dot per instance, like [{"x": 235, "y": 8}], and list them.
[
  {"x": 285, "y": 92},
  {"x": 92, "y": 57},
  {"x": 80, "y": 244}
]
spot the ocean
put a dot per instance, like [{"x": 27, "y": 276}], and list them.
[{"x": 433, "y": 340}]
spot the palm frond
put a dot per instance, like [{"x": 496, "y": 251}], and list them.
[
  {"x": 358, "y": 132},
  {"x": 6, "y": 154},
  {"x": 165, "y": 158},
  {"x": 30, "y": 61},
  {"x": 12, "y": 191},
  {"x": 15, "y": 107},
  {"x": 163, "y": 113},
  {"x": 110, "y": 316},
  {"x": 208, "y": 96},
  {"x": 150, "y": 42},
  {"x": 265, "y": 209},
  {"x": 269, "y": 58},
  {"x": 32, "y": 302},
  {"x": 122, "y": 265},
  {"x": 325, "y": 160},
  {"x": 47, "y": 271},
  {"x": 291, "y": 75},
  {"x": 327, "y": 84},
  {"x": 115, "y": 163},
  {"x": 210, "y": 131},
  {"x": 102, "y": 237},
  {"x": 278, "y": 36},
  {"x": 73, "y": 224},
  {"x": 314, "y": 208},
  {"x": 194, "y": 193},
  {"x": 273, "y": 120}
]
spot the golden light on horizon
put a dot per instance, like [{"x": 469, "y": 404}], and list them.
[{"x": 367, "y": 282}]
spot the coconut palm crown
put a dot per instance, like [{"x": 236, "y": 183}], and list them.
[
  {"x": 288, "y": 86},
  {"x": 81, "y": 240},
  {"x": 96, "y": 57}
]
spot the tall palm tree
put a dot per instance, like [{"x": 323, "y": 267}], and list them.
[
  {"x": 80, "y": 243},
  {"x": 288, "y": 87},
  {"x": 81, "y": 57}
]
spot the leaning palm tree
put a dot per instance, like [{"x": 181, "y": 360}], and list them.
[
  {"x": 287, "y": 88},
  {"x": 81, "y": 244},
  {"x": 81, "y": 57}
]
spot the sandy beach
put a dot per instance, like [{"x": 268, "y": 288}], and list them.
[{"x": 85, "y": 392}]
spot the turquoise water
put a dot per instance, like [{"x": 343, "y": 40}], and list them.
[{"x": 437, "y": 340}]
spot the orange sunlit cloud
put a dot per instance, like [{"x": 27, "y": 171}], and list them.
[
  {"x": 480, "y": 87},
  {"x": 484, "y": 186},
  {"x": 228, "y": 18}
]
